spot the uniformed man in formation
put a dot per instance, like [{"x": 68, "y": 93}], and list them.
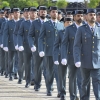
[
  {"x": 33, "y": 43},
  {"x": 45, "y": 40}
]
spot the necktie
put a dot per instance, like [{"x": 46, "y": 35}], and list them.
[
  {"x": 92, "y": 29},
  {"x": 54, "y": 24}
]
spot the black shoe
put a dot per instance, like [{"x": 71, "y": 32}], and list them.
[
  {"x": 49, "y": 94},
  {"x": 19, "y": 81},
  {"x": 15, "y": 76},
  {"x": 10, "y": 78},
  {"x": 62, "y": 98},
  {"x": 2, "y": 73},
  {"x": 58, "y": 95},
  {"x": 77, "y": 98},
  {"x": 27, "y": 85},
  {"x": 6, "y": 76},
  {"x": 32, "y": 82},
  {"x": 36, "y": 88}
]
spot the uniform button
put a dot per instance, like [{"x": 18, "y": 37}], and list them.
[
  {"x": 69, "y": 52},
  {"x": 48, "y": 31},
  {"x": 56, "y": 34},
  {"x": 44, "y": 42},
  {"x": 85, "y": 40},
  {"x": 72, "y": 37},
  {"x": 9, "y": 41},
  {"x": 93, "y": 37},
  {"x": 93, "y": 51},
  {"x": 26, "y": 30},
  {"x": 11, "y": 29},
  {"x": 82, "y": 54},
  {"x": 47, "y": 45},
  {"x": 37, "y": 31},
  {"x": 93, "y": 46},
  {"x": 93, "y": 41}
]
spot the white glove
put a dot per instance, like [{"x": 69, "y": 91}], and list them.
[
  {"x": 21, "y": 48},
  {"x": 56, "y": 62},
  {"x": 1, "y": 45},
  {"x": 41, "y": 54},
  {"x": 16, "y": 47},
  {"x": 78, "y": 64},
  {"x": 33, "y": 49},
  {"x": 64, "y": 61},
  {"x": 5, "y": 49}
]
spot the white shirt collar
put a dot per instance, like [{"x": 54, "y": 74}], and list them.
[
  {"x": 6, "y": 18},
  {"x": 98, "y": 24},
  {"x": 91, "y": 26},
  {"x": 43, "y": 20},
  {"x": 31, "y": 21},
  {"x": 85, "y": 22},
  {"x": 77, "y": 25},
  {"x": 26, "y": 19},
  {"x": 54, "y": 21},
  {"x": 16, "y": 20}
]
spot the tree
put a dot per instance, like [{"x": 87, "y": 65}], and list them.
[
  {"x": 4, "y": 4},
  {"x": 46, "y": 2},
  {"x": 62, "y": 3},
  {"x": 36, "y": 3},
  {"x": 42, "y": 2},
  {"x": 22, "y": 3},
  {"x": 93, "y": 3}
]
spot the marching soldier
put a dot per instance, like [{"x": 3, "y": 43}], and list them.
[
  {"x": 86, "y": 53},
  {"x": 60, "y": 16},
  {"x": 23, "y": 43},
  {"x": 67, "y": 53},
  {"x": 62, "y": 69},
  {"x": 69, "y": 14},
  {"x": 5, "y": 18},
  {"x": 1, "y": 14},
  {"x": 21, "y": 15},
  {"x": 98, "y": 18},
  {"x": 84, "y": 17},
  {"x": 33, "y": 42},
  {"x": 4, "y": 59},
  {"x": 20, "y": 54},
  {"x": 8, "y": 44},
  {"x": 49, "y": 31}
]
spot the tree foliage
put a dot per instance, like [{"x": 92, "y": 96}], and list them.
[
  {"x": 93, "y": 3},
  {"x": 62, "y": 4},
  {"x": 36, "y": 3},
  {"x": 4, "y": 4}
]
